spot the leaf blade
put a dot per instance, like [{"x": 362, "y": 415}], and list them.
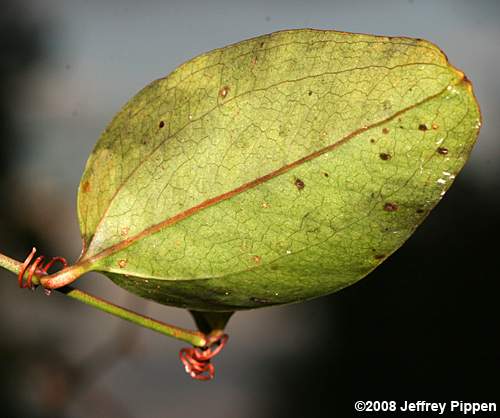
[{"x": 187, "y": 259}]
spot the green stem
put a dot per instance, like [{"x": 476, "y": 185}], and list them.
[
  {"x": 192, "y": 337},
  {"x": 10, "y": 264}
]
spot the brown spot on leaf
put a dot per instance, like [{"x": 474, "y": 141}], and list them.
[
  {"x": 385, "y": 130},
  {"x": 379, "y": 256},
  {"x": 390, "y": 207},
  {"x": 125, "y": 231},
  {"x": 161, "y": 124},
  {"x": 224, "y": 91},
  {"x": 122, "y": 263},
  {"x": 299, "y": 184},
  {"x": 435, "y": 126},
  {"x": 254, "y": 60},
  {"x": 384, "y": 156},
  {"x": 86, "y": 187},
  {"x": 442, "y": 150},
  {"x": 257, "y": 259},
  {"x": 422, "y": 127}
]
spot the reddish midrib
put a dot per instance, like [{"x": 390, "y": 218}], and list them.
[
  {"x": 231, "y": 99},
  {"x": 246, "y": 186}
]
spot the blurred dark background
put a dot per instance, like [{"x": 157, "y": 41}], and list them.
[{"x": 423, "y": 326}]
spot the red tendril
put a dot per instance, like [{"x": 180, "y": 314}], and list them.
[
  {"x": 197, "y": 360},
  {"x": 36, "y": 268}
]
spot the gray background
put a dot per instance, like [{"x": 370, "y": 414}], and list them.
[{"x": 424, "y": 325}]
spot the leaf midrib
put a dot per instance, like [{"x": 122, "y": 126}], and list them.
[
  {"x": 249, "y": 185},
  {"x": 227, "y": 101}
]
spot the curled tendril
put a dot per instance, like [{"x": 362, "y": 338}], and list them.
[
  {"x": 36, "y": 268},
  {"x": 196, "y": 360}
]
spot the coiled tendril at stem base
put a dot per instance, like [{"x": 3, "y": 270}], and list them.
[
  {"x": 197, "y": 360},
  {"x": 36, "y": 268}
]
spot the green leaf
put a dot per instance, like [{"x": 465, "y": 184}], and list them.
[{"x": 274, "y": 170}]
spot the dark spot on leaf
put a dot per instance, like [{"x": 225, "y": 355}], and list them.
[
  {"x": 372, "y": 141},
  {"x": 299, "y": 184},
  {"x": 310, "y": 93},
  {"x": 420, "y": 210},
  {"x": 86, "y": 187},
  {"x": 385, "y": 130},
  {"x": 326, "y": 174},
  {"x": 261, "y": 301},
  {"x": 161, "y": 124},
  {"x": 379, "y": 256},
  {"x": 422, "y": 127},
  {"x": 390, "y": 207},
  {"x": 442, "y": 150},
  {"x": 257, "y": 259},
  {"x": 224, "y": 91},
  {"x": 261, "y": 44},
  {"x": 384, "y": 156}
]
